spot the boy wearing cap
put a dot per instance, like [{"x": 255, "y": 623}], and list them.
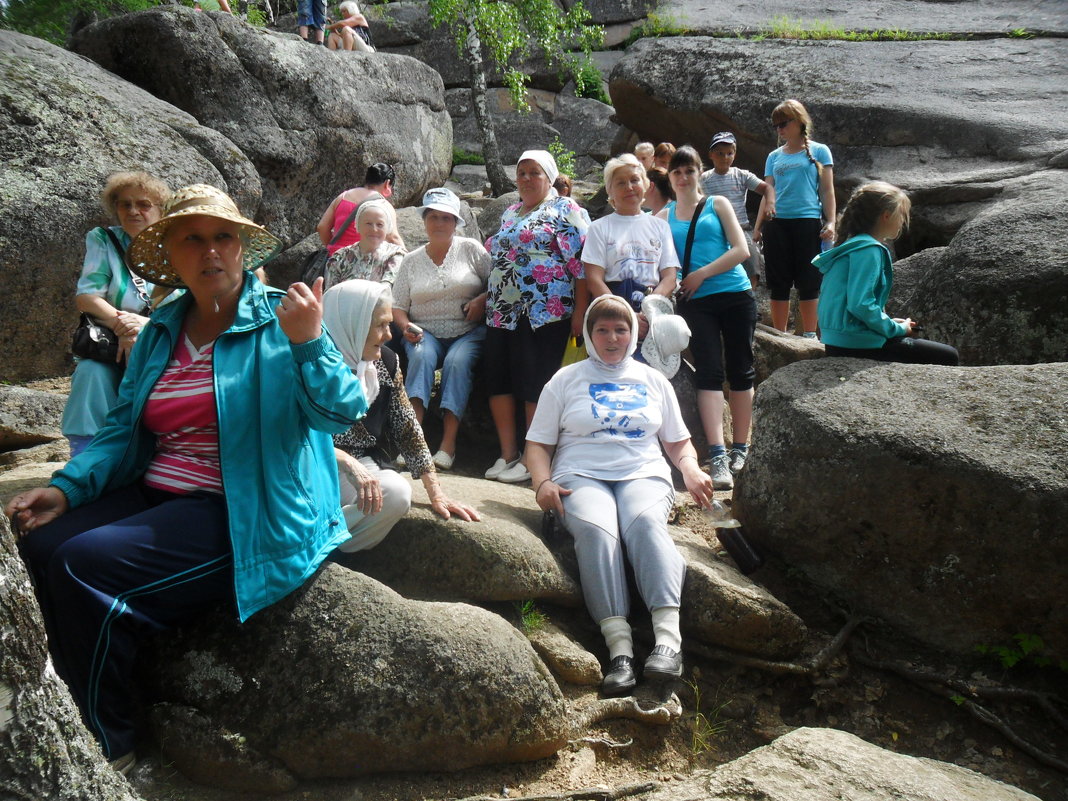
[{"x": 731, "y": 182}]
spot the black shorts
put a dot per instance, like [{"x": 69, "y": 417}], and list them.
[
  {"x": 522, "y": 361},
  {"x": 789, "y": 248}
]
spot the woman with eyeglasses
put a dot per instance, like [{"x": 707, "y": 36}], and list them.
[
  {"x": 113, "y": 296},
  {"x": 799, "y": 218}
]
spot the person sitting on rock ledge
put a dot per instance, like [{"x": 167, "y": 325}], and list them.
[
  {"x": 373, "y": 497},
  {"x": 593, "y": 450},
  {"x": 858, "y": 274},
  {"x": 352, "y": 32}
]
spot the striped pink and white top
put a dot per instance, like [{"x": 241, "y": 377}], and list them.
[{"x": 181, "y": 413}]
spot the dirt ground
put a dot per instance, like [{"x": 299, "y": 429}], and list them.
[{"x": 729, "y": 709}]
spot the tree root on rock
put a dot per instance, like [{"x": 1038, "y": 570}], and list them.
[
  {"x": 810, "y": 668},
  {"x": 957, "y": 691},
  {"x": 586, "y": 794},
  {"x": 626, "y": 708}
]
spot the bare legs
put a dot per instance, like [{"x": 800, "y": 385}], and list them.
[{"x": 710, "y": 407}]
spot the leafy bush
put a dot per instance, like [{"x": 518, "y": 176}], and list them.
[
  {"x": 565, "y": 159},
  {"x": 461, "y": 156}
]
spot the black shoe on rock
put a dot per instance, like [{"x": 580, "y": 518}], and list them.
[
  {"x": 620, "y": 678},
  {"x": 663, "y": 664}
]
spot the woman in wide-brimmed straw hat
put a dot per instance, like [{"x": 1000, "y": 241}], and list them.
[{"x": 213, "y": 480}]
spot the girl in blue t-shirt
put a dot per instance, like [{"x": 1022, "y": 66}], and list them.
[
  {"x": 800, "y": 216},
  {"x": 716, "y": 299}
]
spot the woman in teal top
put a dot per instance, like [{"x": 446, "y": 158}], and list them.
[{"x": 717, "y": 302}]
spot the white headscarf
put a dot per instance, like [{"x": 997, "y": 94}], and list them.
[
  {"x": 591, "y": 349},
  {"x": 348, "y": 310},
  {"x": 382, "y": 205},
  {"x": 545, "y": 160}
]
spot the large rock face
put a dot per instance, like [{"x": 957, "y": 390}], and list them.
[
  {"x": 347, "y": 678},
  {"x": 931, "y": 116},
  {"x": 65, "y": 125},
  {"x": 934, "y": 498},
  {"x": 997, "y": 292},
  {"x": 827, "y": 765},
  {"x": 29, "y": 417},
  {"x": 311, "y": 120}
]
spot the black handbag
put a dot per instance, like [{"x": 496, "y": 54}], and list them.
[
  {"x": 314, "y": 265},
  {"x": 680, "y": 300},
  {"x": 93, "y": 340}
]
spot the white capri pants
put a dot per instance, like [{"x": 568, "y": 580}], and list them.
[
  {"x": 369, "y": 530},
  {"x": 615, "y": 520}
]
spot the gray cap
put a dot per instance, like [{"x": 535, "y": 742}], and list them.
[{"x": 442, "y": 199}]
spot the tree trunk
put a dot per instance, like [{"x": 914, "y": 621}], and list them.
[
  {"x": 45, "y": 750},
  {"x": 498, "y": 178}
]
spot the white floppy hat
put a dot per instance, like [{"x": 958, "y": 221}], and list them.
[
  {"x": 442, "y": 199},
  {"x": 667, "y": 338}
]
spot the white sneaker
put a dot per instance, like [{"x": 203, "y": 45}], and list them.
[
  {"x": 515, "y": 474},
  {"x": 499, "y": 467},
  {"x": 720, "y": 470},
  {"x": 442, "y": 460}
]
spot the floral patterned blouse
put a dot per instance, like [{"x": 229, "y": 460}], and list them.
[
  {"x": 379, "y": 265},
  {"x": 401, "y": 427},
  {"x": 536, "y": 259}
]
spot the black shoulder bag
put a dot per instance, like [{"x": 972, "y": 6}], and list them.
[
  {"x": 680, "y": 301},
  {"x": 91, "y": 339}
]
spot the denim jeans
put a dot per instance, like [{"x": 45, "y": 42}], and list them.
[{"x": 456, "y": 357}]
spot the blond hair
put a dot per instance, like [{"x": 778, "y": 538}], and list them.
[
  {"x": 644, "y": 148},
  {"x": 794, "y": 110},
  {"x": 625, "y": 160},
  {"x": 119, "y": 182}
]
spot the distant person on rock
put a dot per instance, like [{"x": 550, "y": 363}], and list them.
[
  {"x": 213, "y": 481},
  {"x": 733, "y": 183},
  {"x": 212, "y": 5},
  {"x": 373, "y": 496},
  {"x": 645, "y": 151},
  {"x": 352, "y": 32},
  {"x": 798, "y": 217},
  {"x": 116, "y": 298},
  {"x": 311, "y": 20},
  {"x": 716, "y": 300},
  {"x": 594, "y": 453},
  {"x": 857, "y": 277},
  {"x": 378, "y": 182}
]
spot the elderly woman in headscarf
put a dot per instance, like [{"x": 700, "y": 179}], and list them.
[
  {"x": 536, "y": 298},
  {"x": 373, "y": 497},
  {"x": 374, "y": 257},
  {"x": 604, "y": 476}
]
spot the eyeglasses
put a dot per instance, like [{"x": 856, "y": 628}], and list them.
[
  {"x": 778, "y": 126},
  {"x": 140, "y": 205}
]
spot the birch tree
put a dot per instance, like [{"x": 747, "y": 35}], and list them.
[{"x": 509, "y": 30}]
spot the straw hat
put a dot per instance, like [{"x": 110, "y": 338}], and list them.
[
  {"x": 147, "y": 256},
  {"x": 667, "y": 338}
]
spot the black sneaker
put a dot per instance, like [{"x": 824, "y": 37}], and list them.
[
  {"x": 663, "y": 664},
  {"x": 620, "y": 678}
]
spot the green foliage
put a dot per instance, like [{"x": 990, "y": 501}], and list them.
[
  {"x": 512, "y": 30},
  {"x": 1021, "y": 33},
  {"x": 461, "y": 156},
  {"x": 784, "y": 27},
  {"x": 50, "y": 19},
  {"x": 530, "y": 616},
  {"x": 705, "y": 728},
  {"x": 1026, "y": 648},
  {"x": 256, "y": 16},
  {"x": 590, "y": 83},
  {"x": 565, "y": 159},
  {"x": 655, "y": 26}
]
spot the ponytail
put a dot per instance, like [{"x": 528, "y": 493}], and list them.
[{"x": 866, "y": 205}]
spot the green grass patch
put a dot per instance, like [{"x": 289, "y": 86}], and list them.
[
  {"x": 461, "y": 156},
  {"x": 655, "y": 26},
  {"x": 530, "y": 617},
  {"x": 785, "y": 27}
]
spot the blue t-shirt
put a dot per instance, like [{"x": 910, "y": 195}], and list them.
[
  {"x": 709, "y": 243},
  {"x": 797, "y": 184}
]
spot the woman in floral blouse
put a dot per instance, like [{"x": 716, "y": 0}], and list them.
[
  {"x": 374, "y": 257},
  {"x": 537, "y": 296}
]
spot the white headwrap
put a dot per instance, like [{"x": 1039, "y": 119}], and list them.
[
  {"x": 348, "y": 310},
  {"x": 591, "y": 349},
  {"x": 382, "y": 205},
  {"x": 545, "y": 160}
]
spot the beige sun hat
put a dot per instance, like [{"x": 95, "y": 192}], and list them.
[{"x": 147, "y": 257}]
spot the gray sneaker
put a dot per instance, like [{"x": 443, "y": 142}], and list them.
[
  {"x": 736, "y": 460},
  {"x": 720, "y": 470}
]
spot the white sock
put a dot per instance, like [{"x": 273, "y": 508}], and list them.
[
  {"x": 617, "y": 635},
  {"x": 666, "y": 627}
]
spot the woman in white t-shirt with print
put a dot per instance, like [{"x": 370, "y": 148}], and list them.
[
  {"x": 629, "y": 253},
  {"x": 593, "y": 451}
]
